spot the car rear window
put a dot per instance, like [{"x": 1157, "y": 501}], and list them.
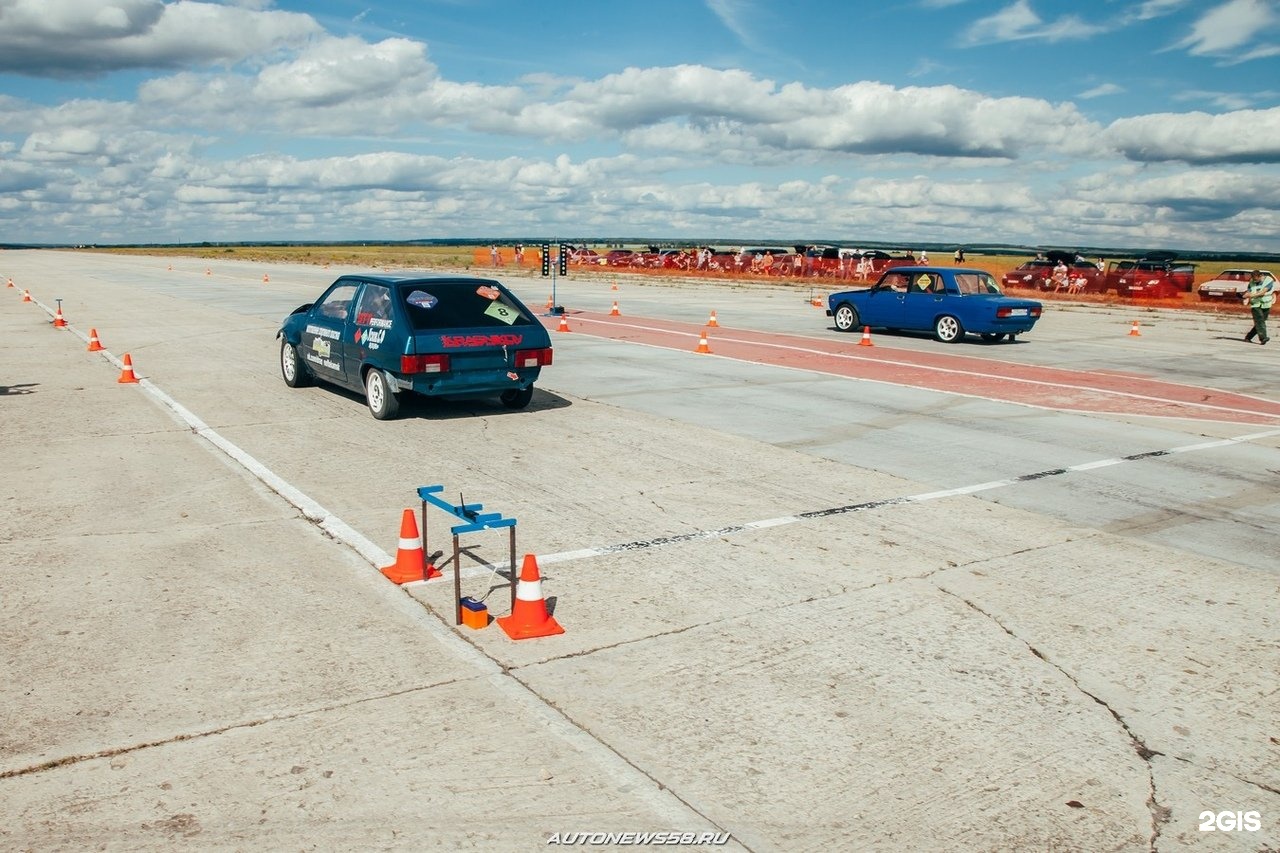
[
  {"x": 460, "y": 305},
  {"x": 971, "y": 283}
]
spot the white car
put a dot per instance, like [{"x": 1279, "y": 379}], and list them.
[{"x": 1230, "y": 284}]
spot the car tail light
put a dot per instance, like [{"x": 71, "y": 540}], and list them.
[
  {"x": 1035, "y": 312},
  {"x": 424, "y": 364},
  {"x": 533, "y": 357}
]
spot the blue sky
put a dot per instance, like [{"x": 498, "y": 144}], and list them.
[{"x": 1107, "y": 123}]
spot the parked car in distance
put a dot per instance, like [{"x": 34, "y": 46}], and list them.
[
  {"x": 438, "y": 336},
  {"x": 1229, "y": 284},
  {"x": 1038, "y": 272},
  {"x": 1157, "y": 276},
  {"x": 621, "y": 258},
  {"x": 948, "y": 301}
]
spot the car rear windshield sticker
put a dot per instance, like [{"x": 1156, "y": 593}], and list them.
[
  {"x": 488, "y": 292},
  {"x": 505, "y": 313},
  {"x": 422, "y": 299},
  {"x": 450, "y": 341}
]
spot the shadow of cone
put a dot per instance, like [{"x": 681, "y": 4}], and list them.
[
  {"x": 126, "y": 372},
  {"x": 94, "y": 344},
  {"x": 866, "y": 337},
  {"x": 529, "y": 617},
  {"x": 410, "y": 565}
]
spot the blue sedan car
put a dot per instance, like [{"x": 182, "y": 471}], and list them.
[
  {"x": 948, "y": 301},
  {"x": 434, "y": 336}
]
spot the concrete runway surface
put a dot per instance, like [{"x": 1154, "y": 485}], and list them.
[{"x": 961, "y": 597}]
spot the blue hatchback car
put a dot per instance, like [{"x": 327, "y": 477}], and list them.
[
  {"x": 435, "y": 336},
  {"x": 948, "y": 301}
]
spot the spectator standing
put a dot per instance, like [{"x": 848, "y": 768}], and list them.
[
  {"x": 519, "y": 254},
  {"x": 1259, "y": 296},
  {"x": 924, "y": 258},
  {"x": 959, "y": 258},
  {"x": 494, "y": 257}
]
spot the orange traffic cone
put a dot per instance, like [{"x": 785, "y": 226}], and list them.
[
  {"x": 26, "y": 295},
  {"x": 702, "y": 343},
  {"x": 529, "y": 617},
  {"x": 816, "y": 302},
  {"x": 866, "y": 337},
  {"x": 564, "y": 324},
  {"x": 265, "y": 278},
  {"x": 712, "y": 322},
  {"x": 10, "y": 283},
  {"x": 58, "y": 321},
  {"x": 94, "y": 344},
  {"x": 208, "y": 271},
  {"x": 614, "y": 312},
  {"x": 170, "y": 267},
  {"x": 126, "y": 372},
  {"x": 615, "y": 285},
  {"x": 551, "y": 303},
  {"x": 410, "y": 564},
  {"x": 1133, "y": 330}
]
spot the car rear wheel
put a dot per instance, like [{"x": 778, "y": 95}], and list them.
[
  {"x": 846, "y": 317},
  {"x": 517, "y": 398},
  {"x": 948, "y": 329},
  {"x": 383, "y": 404},
  {"x": 291, "y": 367}
]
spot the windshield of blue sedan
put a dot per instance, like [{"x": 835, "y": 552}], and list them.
[
  {"x": 976, "y": 283},
  {"x": 460, "y": 305}
]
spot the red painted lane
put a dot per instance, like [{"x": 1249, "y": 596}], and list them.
[{"x": 1047, "y": 387}]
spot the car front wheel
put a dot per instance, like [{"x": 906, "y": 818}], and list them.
[
  {"x": 291, "y": 367},
  {"x": 383, "y": 404},
  {"x": 517, "y": 398},
  {"x": 846, "y": 317},
  {"x": 948, "y": 329}
]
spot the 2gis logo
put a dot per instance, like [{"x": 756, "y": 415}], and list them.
[{"x": 1230, "y": 821}]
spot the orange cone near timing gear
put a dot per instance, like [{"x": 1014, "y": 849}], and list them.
[
  {"x": 614, "y": 312},
  {"x": 94, "y": 344},
  {"x": 702, "y": 343},
  {"x": 564, "y": 324},
  {"x": 58, "y": 321},
  {"x": 529, "y": 617},
  {"x": 126, "y": 372},
  {"x": 26, "y": 296},
  {"x": 1133, "y": 330},
  {"x": 866, "y": 337},
  {"x": 410, "y": 565},
  {"x": 265, "y": 278},
  {"x": 712, "y": 321},
  {"x": 10, "y": 282}
]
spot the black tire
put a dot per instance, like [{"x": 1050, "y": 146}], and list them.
[
  {"x": 292, "y": 367},
  {"x": 383, "y": 403},
  {"x": 948, "y": 329},
  {"x": 517, "y": 398},
  {"x": 846, "y": 317}
]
